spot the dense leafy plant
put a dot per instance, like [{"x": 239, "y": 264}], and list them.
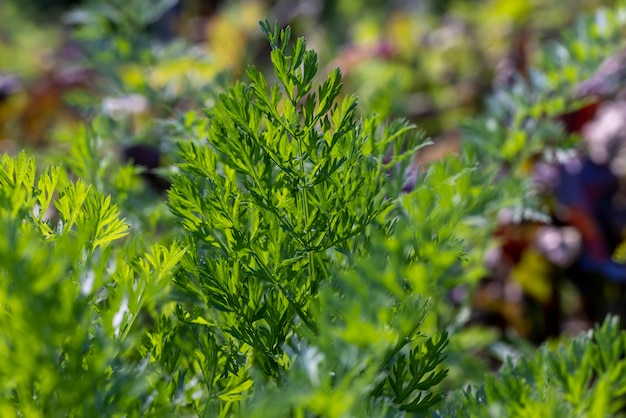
[
  {"x": 68, "y": 300},
  {"x": 277, "y": 204}
]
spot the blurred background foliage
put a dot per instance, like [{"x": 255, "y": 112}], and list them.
[
  {"x": 430, "y": 61},
  {"x": 89, "y": 78}
]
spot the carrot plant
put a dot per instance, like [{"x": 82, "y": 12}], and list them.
[
  {"x": 281, "y": 198},
  {"x": 69, "y": 302}
]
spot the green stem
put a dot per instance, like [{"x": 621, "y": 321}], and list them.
[{"x": 307, "y": 321}]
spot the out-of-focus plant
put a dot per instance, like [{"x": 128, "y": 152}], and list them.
[
  {"x": 582, "y": 377},
  {"x": 70, "y": 302},
  {"x": 532, "y": 129}
]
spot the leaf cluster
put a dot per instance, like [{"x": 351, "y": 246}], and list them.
[
  {"x": 68, "y": 300},
  {"x": 583, "y": 377}
]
